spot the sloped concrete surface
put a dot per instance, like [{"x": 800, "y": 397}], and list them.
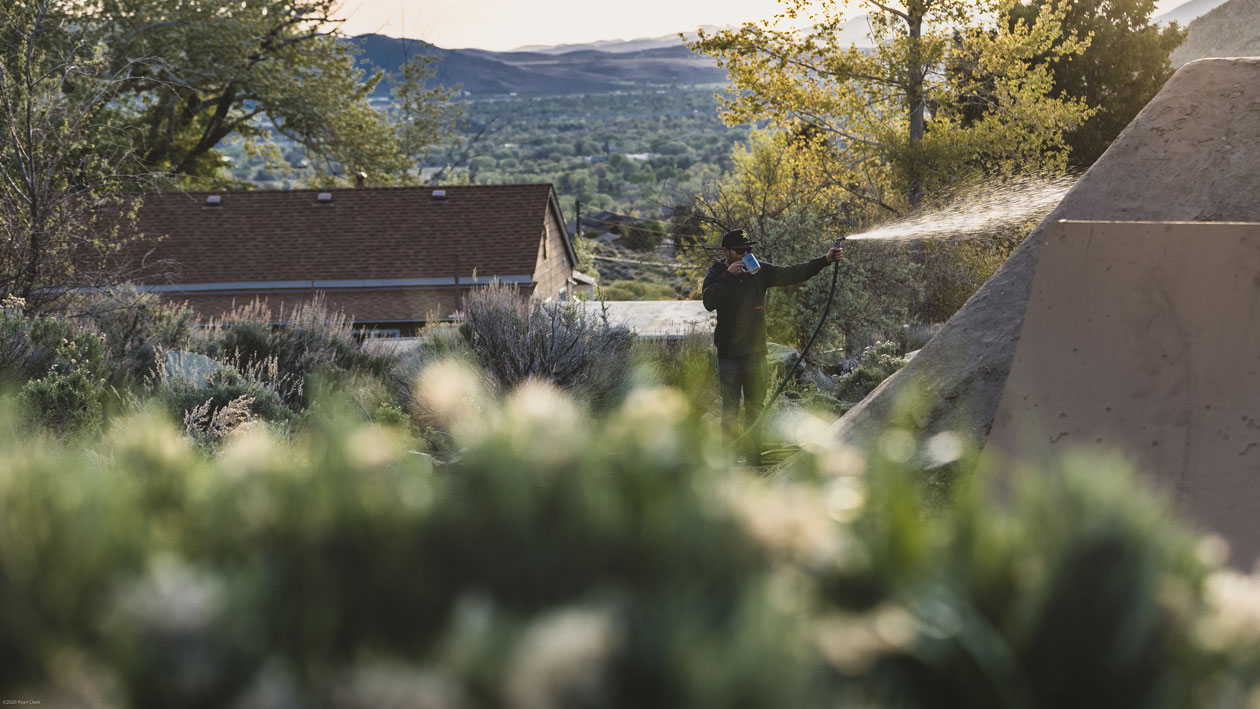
[
  {"x": 1140, "y": 339},
  {"x": 1193, "y": 154}
]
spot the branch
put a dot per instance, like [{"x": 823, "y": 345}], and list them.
[{"x": 891, "y": 10}]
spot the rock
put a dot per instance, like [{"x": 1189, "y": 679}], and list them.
[
  {"x": 819, "y": 379},
  {"x": 780, "y": 355},
  {"x": 194, "y": 367}
]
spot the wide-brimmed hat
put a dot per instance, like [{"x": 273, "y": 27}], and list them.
[{"x": 736, "y": 239}]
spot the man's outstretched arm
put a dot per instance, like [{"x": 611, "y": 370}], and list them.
[{"x": 801, "y": 272}]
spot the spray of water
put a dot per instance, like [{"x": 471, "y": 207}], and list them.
[{"x": 985, "y": 209}]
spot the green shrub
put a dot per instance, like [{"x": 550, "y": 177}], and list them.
[
  {"x": 70, "y": 396},
  {"x": 300, "y": 345},
  {"x": 877, "y": 363},
  {"x": 435, "y": 343},
  {"x": 569, "y": 561},
  {"x": 516, "y": 341},
  {"x": 391, "y": 415},
  {"x": 636, "y": 290},
  {"x": 645, "y": 236},
  {"x": 953, "y": 270},
  {"x": 28, "y": 345},
  {"x": 228, "y": 384},
  {"x": 136, "y": 326}
]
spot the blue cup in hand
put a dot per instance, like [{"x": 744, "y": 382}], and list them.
[{"x": 750, "y": 263}]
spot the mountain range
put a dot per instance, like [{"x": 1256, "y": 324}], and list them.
[
  {"x": 1217, "y": 28},
  {"x": 571, "y": 68},
  {"x": 1230, "y": 30},
  {"x": 479, "y": 71},
  {"x": 1187, "y": 12}
]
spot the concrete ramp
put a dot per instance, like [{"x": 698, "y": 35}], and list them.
[
  {"x": 1193, "y": 154},
  {"x": 1141, "y": 339}
]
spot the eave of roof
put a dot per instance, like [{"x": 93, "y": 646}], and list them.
[{"x": 564, "y": 230}]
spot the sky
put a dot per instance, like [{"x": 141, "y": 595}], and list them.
[{"x": 507, "y": 24}]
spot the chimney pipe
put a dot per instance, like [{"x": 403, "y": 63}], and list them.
[{"x": 360, "y": 180}]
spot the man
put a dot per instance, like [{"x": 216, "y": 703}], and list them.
[{"x": 739, "y": 297}]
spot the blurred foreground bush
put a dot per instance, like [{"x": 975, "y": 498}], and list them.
[{"x": 563, "y": 562}]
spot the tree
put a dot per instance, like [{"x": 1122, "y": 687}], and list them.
[
  {"x": 101, "y": 100},
  {"x": 1127, "y": 62},
  {"x": 249, "y": 67},
  {"x": 64, "y": 165},
  {"x": 895, "y": 114}
]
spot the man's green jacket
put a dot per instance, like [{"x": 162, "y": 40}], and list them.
[{"x": 740, "y": 302}]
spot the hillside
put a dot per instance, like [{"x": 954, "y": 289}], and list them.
[
  {"x": 614, "y": 46},
  {"x": 854, "y": 31},
  {"x": 594, "y": 67},
  {"x": 1188, "y": 12},
  {"x": 587, "y": 71},
  {"x": 1231, "y": 30}
]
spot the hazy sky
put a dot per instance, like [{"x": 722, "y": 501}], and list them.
[{"x": 507, "y": 24}]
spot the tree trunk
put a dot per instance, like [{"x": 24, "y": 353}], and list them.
[{"x": 915, "y": 100}]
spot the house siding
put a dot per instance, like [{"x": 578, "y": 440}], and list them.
[
  {"x": 402, "y": 306},
  {"x": 552, "y": 270}
]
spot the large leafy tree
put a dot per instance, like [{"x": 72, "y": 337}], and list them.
[
  {"x": 247, "y": 67},
  {"x": 65, "y": 161},
  {"x": 1126, "y": 63},
  {"x": 946, "y": 92},
  {"x": 99, "y": 100}
]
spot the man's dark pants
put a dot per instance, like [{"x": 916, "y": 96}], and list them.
[{"x": 744, "y": 376}]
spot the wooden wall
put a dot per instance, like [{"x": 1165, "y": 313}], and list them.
[{"x": 552, "y": 270}]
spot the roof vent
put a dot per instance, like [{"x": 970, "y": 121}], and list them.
[
  {"x": 439, "y": 195},
  {"x": 323, "y": 198},
  {"x": 214, "y": 200}
]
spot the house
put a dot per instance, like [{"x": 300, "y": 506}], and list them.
[
  {"x": 605, "y": 221},
  {"x": 392, "y": 258}
]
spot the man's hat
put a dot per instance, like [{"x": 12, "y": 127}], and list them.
[{"x": 736, "y": 239}]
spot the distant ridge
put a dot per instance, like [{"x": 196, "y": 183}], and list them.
[
  {"x": 481, "y": 71},
  {"x": 1186, "y": 13},
  {"x": 855, "y": 31},
  {"x": 1230, "y": 30},
  {"x": 614, "y": 46},
  {"x": 602, "y": 66}
]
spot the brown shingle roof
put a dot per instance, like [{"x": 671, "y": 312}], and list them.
[{"x": 387, "y": 232}]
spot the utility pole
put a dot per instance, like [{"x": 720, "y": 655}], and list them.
[
  {"x": 459, "y": 301},
  {"x": 577, "y": 221}
]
